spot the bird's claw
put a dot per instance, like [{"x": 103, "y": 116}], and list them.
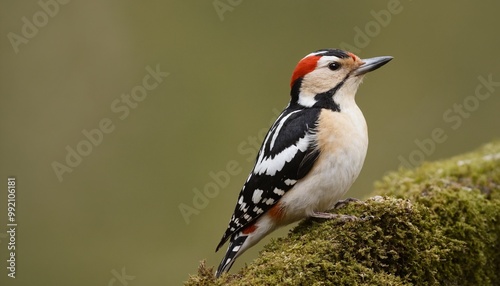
[{"x": 341, "y": 217}]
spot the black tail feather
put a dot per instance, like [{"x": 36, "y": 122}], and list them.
[{"x": 231, "y": 253}]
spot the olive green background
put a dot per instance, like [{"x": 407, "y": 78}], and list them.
[{"x": 119, "y": 208}]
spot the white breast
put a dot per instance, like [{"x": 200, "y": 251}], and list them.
[{"x": 343, "y": 141}]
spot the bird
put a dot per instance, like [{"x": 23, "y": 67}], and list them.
[{"x": 310, "y": 156}]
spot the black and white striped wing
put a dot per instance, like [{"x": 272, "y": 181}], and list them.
[{"x": 286, "y": 155}]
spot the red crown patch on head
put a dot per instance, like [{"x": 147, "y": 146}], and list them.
[{"x": 305, "y": 66}]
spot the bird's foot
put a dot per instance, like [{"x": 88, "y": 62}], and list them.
[
  {"x": 343, "y": 203},
  {"x": 341, "y": 217}
]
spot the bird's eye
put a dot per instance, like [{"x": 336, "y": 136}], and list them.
[{"x": 333, "y": 66}]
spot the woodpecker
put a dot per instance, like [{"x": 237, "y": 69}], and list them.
[{"x": 312, "y": 154}]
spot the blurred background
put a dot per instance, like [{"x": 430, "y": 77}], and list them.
[{"x": 130, "y": 127}]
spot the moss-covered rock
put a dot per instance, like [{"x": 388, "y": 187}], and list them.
[{"x": 438, "y": 224}]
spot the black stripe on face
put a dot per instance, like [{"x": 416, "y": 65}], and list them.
[{"x": 325, "y": 99}]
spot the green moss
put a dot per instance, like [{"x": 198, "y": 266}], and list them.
[{"x": 438, "y": 224}]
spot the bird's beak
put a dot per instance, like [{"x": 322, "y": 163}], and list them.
[{"x": 371, "y": 64}]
